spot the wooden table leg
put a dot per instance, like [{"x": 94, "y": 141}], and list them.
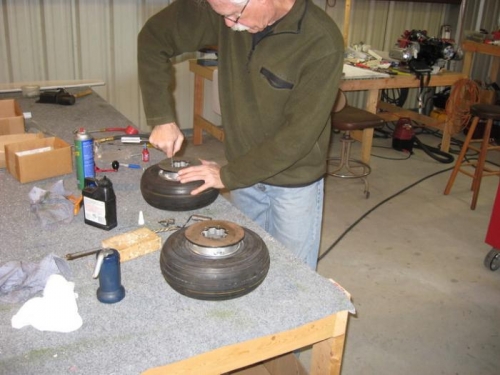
[
  {"x": 327, "y": 354},
  {"x": 366, "y": 136},
  {"x": 494, "y": 69},
  {"x": 446, "y": 139}
]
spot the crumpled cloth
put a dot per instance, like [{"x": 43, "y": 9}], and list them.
[
  {"x": 56, "y": 311},
  {"x": 51, "y": 206},
  {"x": 19, "y": 281}
]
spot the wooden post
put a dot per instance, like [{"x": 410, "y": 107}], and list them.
[
  {"x": 347, "y": 17},
  {"x": 199, "y": 86}
]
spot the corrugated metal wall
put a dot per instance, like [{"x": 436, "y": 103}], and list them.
[
  {"x": 96, "y": 39},
  {"x": 76, "y": 39}
]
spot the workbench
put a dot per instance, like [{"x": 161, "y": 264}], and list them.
[
  {"x": 471, "y": 48},
  {"x": 154, "y": 329},
  {"x": 372, "y": 86}
]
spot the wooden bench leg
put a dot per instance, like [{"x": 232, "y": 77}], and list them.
[
  {"x": 199, "y": 86},
  {"x": 327, "y": 354}
]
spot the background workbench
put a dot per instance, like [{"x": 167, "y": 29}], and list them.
[
  {"x": 372, "y": 86},
  {"x": 154, "y": 325},
  {"x": 471, "y": 49}
]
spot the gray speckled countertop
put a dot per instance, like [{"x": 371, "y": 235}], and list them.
[{"x": 153, "y": 325}]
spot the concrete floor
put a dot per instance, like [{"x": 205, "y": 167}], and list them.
[{"x": 425, "y": 302}]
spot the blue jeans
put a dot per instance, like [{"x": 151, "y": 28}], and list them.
[{"x": 291, "y": 215}]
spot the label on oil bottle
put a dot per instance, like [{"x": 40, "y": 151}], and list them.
[{"x": 95, "y": 210}]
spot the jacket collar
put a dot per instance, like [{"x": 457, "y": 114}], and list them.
[{"x": 292, "y": 21}]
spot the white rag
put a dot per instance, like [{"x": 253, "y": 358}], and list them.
[{"x": 56, "y": 311}]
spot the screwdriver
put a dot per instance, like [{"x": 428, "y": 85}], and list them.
[{"x": 115, "y": 165}]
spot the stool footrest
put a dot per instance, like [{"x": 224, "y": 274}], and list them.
[{"x": 346, "y": 169}]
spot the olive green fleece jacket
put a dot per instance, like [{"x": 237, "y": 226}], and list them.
[{"x": 275, "y": 94}]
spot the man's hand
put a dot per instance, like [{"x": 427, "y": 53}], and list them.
[
  {"x": 167, "y": 137},
  {"x": 208, "y": 171}
]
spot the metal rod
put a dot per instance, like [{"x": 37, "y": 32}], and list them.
[
  {"x": 81, "y": 254},
  {"x": 196, "y": 217},
  {"x": 167, "y": 229}
]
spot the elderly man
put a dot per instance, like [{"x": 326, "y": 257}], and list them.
[{"x": 280, "y": 62}]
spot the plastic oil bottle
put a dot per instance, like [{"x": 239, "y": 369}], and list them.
[{"x": 99, "y": 203}]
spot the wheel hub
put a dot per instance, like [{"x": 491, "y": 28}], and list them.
[
  {"x": 169, "y": 168},
  {"x": 215, "y": 238}
]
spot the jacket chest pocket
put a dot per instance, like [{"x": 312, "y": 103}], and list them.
[{"x": 275, "y": 81}]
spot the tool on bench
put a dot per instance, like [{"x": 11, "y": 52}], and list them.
[
  {"x": 196, "y": 217},
  {"x": 132, "y": 138},
  {"x": 81, "y": 254},
  {"x": 116, "y": 165},
  {"x": 138, "y": 242},
  {"x": 130, "y": 245},
  {"x": 130, "y": 130},
  {"x": 106, "y": 170},
  {"x": 61, "y": 96},
  {"x": 108, "y": 270}
]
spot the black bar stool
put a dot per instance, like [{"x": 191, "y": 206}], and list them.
[
  {"x": 346, "y": 118},
  {"x": 489, "y": 113}
]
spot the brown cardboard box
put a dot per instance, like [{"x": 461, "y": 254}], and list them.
[
  {"x": 38, "y": 159},
  {"x": 11, "y": 117},
  {"x": 14, "y": 138}
]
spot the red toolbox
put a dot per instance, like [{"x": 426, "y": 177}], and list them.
[{"x": 492, "y": 260}]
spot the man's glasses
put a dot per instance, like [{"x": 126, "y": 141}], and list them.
[{"x": 237, "y": 19}]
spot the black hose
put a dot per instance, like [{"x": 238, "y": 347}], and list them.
[
  {"x": 434, "y": 152},
  {"x": 325, "y": 253}
]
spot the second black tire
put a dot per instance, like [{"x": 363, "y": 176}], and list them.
[{"x": 172, "y": 195}]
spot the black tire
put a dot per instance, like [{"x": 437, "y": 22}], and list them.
[
  {"x": 172, "y": 195},
  {"x": 214, "y": 279}
]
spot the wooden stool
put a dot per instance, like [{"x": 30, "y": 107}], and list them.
[
  {"x": 489, "y": 113},
  {"x": 347, "y": 118}
]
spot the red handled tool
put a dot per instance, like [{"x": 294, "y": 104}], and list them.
[{"x": 128, "y": 130}]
